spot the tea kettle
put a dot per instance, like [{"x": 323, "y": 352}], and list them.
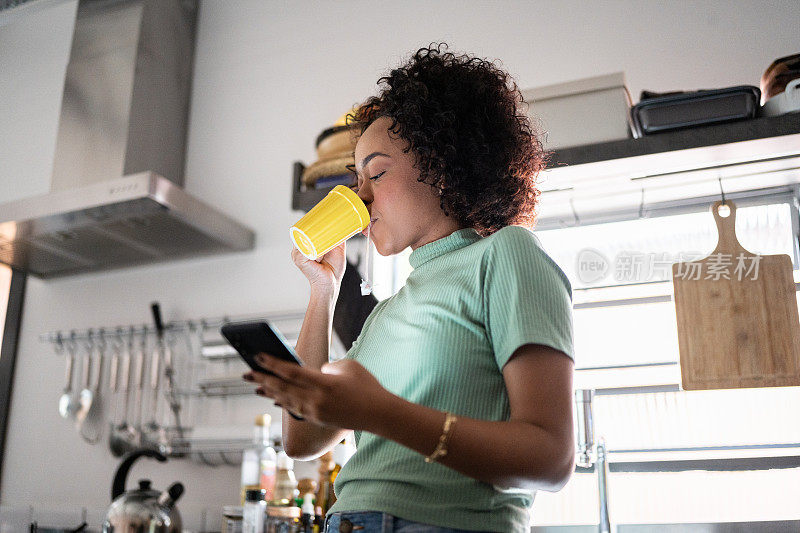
[{"x": 142, "y": 509}]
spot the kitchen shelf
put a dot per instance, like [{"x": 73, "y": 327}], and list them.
[
  {"x": 224, "y": 386},
  {"x": 216, "y": 452},
  {"x": 774, "y": 140},
  {"x": 699, "y": 137},
  {"x": 727, "y": 150},
  {"x": 303, "y": 198}
]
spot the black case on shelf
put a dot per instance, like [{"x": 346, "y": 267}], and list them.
[{"x": 700, "y": 108}]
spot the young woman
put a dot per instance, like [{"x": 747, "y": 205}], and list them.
[{"x": 459, "y": 387}]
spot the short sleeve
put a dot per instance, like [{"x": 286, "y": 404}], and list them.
[{"x": 527, "y": 297}]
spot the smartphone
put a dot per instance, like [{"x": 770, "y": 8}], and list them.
[{"x": 253, "y": 338}]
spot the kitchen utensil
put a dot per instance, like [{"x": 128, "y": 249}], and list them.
[
  {"x": 139, "y": 385},
  {"x": 91, "y": 428},
  {"x": 125, "y": 381},
  {"x": 118, "y": 435},
  {"x": 85, "y": 396},
  {"x": 142, "y": 509},
  {"x": 113, "y": 381},
  {"x": 164, "y": 350},
  {"x": 189, "y": 373},
  {"x": 737, "y": 326},
  {"x": 170, "y": 373},
  {"x": 337, "y": 217},
  {"x": 117, "y": 442},
  {"x": 152, "y": 428},
  {"x": 68, "y": 404}
]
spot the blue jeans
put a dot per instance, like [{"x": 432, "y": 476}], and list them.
[{"x": 377, "y": 522}]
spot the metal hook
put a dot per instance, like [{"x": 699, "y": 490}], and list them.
[
  {"x": 641, "y": 205},
  {"x": 144, "y": 338},
  {"x": 117, "y": 343},
  {"x": 59, "y": 344},
  {"x": 721, "y": 190},
  {"x": 204, "y": 460},
  {"x": 90, "y": 340},
  {"x": 71, "y": 343},
  {"x": 171, "y": 336},
  {"x": 574, "y": 212},
  {"x": 225, "y": 459},
  {"x": 131, "y": 337},
  {"x": 101, "y": 339}
]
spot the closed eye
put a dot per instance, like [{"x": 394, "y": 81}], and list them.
[{"x": 355, "y": 186}]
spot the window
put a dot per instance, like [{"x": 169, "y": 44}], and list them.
[{"x": 626, "y": 344}]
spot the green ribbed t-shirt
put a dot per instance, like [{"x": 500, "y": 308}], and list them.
[{"x": 442, "y": 341}]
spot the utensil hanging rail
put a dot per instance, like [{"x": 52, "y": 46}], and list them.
[{"x": 106, "y": 333}]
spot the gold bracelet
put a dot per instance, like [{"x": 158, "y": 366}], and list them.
[{"x": 441, "y": 448}]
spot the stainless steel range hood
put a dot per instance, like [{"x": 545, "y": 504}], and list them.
[
  {"x": 116, "y": 197},
  {"x": 128, "y": 221}
]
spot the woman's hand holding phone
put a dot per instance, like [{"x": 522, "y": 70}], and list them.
[
  {"x": 342, "y": 394},
  {"x": 252, "y": 338}
]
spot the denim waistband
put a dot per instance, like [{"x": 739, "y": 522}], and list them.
[{"x": 379, "y": 522}]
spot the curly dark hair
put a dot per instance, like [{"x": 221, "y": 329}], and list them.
[{"x": 463, "y": 122}]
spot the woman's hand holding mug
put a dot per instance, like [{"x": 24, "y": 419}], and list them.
[{"x": 324, "y": 273}]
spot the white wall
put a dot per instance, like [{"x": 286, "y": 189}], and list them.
[
  {"x": 269, "y": 76},
  {"x": 34, "y": 50}
]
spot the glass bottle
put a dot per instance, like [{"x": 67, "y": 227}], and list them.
[
  {"x": 268, "y": 459},
  {"x": 286, "y": 482},
  {"x": 325, "y": 489},
  {"x": 259, "y": 461}
]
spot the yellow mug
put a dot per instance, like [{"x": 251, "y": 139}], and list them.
[{"x": 336, "y": 218}]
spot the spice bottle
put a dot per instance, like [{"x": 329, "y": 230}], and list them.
[{"x": 254, "y": 513}]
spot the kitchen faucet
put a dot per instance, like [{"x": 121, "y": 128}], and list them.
[{"x": 590, "y": 454}]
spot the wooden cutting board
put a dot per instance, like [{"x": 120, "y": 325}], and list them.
[{"x": 737, "y": 316}]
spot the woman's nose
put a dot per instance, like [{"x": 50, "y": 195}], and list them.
[{"x": 365, "y": 192}]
